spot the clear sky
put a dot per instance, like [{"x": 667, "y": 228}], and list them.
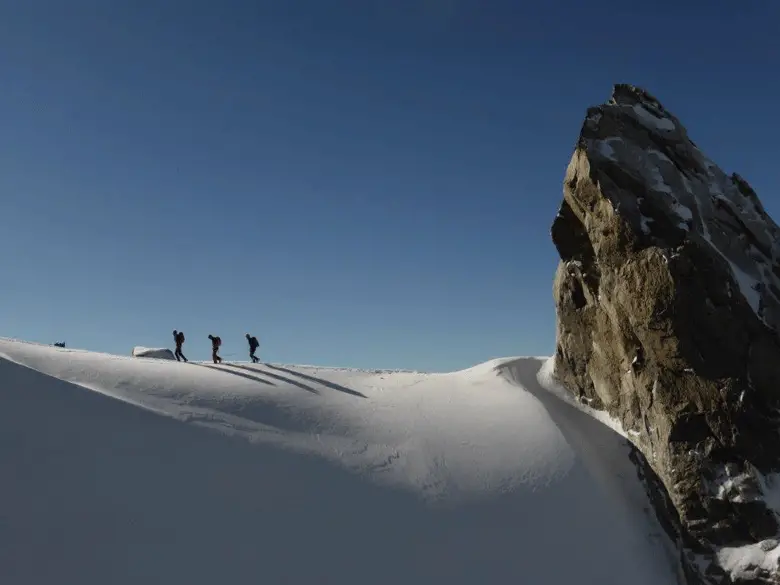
[{"x": 362, "y": 183}]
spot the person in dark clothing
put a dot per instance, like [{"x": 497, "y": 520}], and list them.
[
  {"x": 253, "y": 345},
  {"x": 215, "y": 343},
  {"x": 178, "y": 339}
]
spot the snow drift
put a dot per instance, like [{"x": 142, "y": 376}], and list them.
[
  {"x": 125, "y": 471},
  {"x": 161, "y": 353}
]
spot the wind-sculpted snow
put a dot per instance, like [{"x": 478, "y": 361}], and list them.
[
  {"x": 120, "y": 470},
  {"x": 153, "y": 352},
  {"x": 685, "y": 194}
]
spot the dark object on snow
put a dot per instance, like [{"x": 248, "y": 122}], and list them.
[
  {"x": 253, "y": 345},
  {"x": 215, "y": 343},
  {"x": 178, "y": 338},
  {"x": 59, "y": 344}
]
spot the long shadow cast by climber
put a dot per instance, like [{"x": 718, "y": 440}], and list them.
[
  {"x": 331, "y": 385},
  {"x": 300, "y": 385},
  {"x": 247, "y": 376}
]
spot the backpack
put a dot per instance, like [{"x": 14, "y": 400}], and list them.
[
  {"x": 217, "y": 341},
  {"x": 180, "y": 338},
  {"x": 253, "y": 342}
]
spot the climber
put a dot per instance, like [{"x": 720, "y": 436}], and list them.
[
  {"x": 215, "y": 343},
  {"x": 253, "y": 345},
  {"x": 178, "y": 339}
]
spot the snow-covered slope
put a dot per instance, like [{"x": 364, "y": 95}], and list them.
[{"x": 124, "y": 471}]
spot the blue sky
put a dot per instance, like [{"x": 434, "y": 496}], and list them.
[{"x": 364, "y": 183}]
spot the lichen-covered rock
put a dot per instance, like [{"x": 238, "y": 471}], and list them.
[{"x": 668, "y": 304}]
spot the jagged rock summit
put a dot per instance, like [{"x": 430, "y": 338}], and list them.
[{"x": 668, "y": 304}]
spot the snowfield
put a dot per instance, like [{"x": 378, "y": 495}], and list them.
[{"x": 123, "y": 470}]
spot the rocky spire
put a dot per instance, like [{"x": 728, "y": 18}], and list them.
[{"x": 668, "y": 304}]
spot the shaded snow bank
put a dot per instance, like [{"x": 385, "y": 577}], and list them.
[
  {"x": 751, "y": 561},
  {"x": 282, "y": 474}
]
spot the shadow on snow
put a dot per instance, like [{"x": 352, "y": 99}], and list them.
[{"x": 331, "y": 385}]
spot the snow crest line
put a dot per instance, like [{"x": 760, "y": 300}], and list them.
[{"x": 466, "y": 476}]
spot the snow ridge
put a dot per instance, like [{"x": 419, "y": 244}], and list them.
[{"x": 128, "y": 470}]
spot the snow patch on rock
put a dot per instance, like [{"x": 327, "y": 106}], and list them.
[{"x": 752, "y": 561}]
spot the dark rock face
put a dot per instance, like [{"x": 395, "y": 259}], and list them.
[{"x": 668, "y": 307}]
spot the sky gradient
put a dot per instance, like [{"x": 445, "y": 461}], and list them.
[{"x": 358, "y": 183}]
